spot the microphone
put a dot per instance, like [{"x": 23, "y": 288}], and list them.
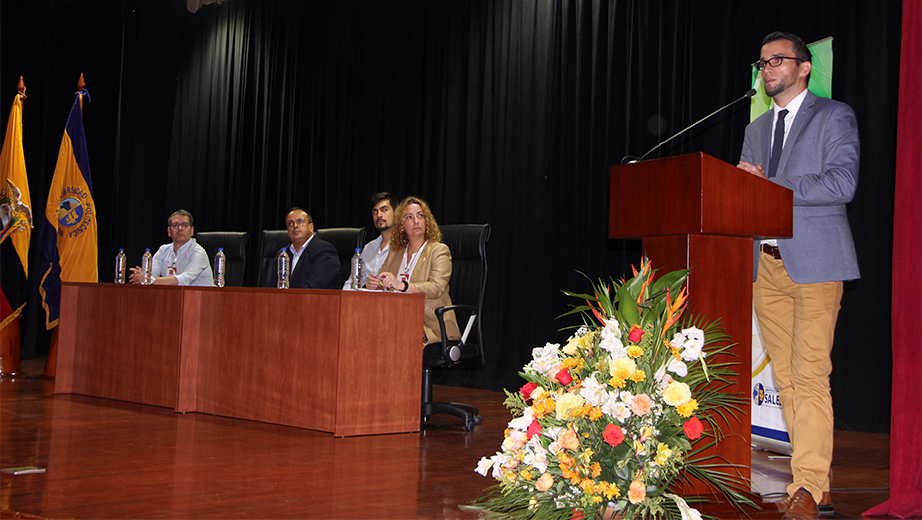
[{"x": 751, "y": 92}]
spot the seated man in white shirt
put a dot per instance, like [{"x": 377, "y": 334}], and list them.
[
  {"x": 183, "y": 262},
  {"x": 375, "y": 252}
]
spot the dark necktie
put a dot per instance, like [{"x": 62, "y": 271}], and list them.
[{"x": 777, "y": 144}]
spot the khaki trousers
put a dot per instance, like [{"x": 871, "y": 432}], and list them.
[{"x": 798, "y": 322}]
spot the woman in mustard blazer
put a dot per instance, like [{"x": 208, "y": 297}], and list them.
[{"x": 419, "y": 263}]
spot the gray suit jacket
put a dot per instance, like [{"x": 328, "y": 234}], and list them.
[{"x": 819, "y": 163}]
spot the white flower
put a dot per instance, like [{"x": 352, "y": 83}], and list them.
[
  {"x": 688, "y": 513},
  {"x": 544, "y": 358},
  {"x": 522, "y": 423},
  {"x": 678, "y": 368},
  {"x": 484, "y": 466},
  {"x": 691, "y": 340},
  {"x": 535, "y": 455},
  {"x": 615, "y": 408},
  {"x": 612, "y": 328},
  {"x": 593, "y": 391},
  {"x": 613, "y": 345}
]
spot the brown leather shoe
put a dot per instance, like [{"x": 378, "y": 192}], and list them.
[
  {"x": 801, "y": 507},
  {"x": 825, "y": 506}
]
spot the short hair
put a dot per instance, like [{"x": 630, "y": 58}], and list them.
[
  {"x": 399, "y": 240},
  {"x": 382, "y": 195},
  {"x": 801, "y": 51},
  {"x": 310, "y": 220},
  {"x": 182, "y": 213}
]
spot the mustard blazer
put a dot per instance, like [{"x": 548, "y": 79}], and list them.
[{"x": 430, "y": 277}]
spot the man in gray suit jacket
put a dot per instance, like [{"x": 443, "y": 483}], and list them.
[{"x": 809, "y": 145}]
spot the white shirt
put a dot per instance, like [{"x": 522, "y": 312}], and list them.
[
  {"x": 373, "y": 258},
  {"x": 295, "y": 255},
  {"x": 189, "y": 265},
  {"x": 792, "y": 108}
]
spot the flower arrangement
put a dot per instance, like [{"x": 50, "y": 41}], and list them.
[{"x": 604, "y": 425}]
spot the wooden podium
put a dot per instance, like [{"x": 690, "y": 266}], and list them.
[{"x": 697, "y": 212}]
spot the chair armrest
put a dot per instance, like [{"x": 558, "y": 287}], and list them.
[{"x": 447, "y": 347}]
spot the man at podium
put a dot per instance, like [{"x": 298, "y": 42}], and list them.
[{"x": 810, "y": 146}]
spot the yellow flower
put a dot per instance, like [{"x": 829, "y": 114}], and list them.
[
  {"x": 543, "y": 407},
  {"x": 616, "y": 382},
  {"x": 622, "y": 368},
  {"x": 663, "y": 452},
  {"x": 566, "y": 403},
  {"x": 611, "y": 491},
  {"x": 686, "y": 409},
  {"x": 634, "y": 351},
  {"x": 595, "y": 414},
  {"x": 538, "y": 393},
  {"x": 571, "y": 346},
  {"x": 676, "y": 393},
  {"x": 525, "y": 474},
  {"x": 638, "y": 376}
]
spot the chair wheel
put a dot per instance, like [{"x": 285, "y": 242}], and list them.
[{"x": 478, "y": 420}]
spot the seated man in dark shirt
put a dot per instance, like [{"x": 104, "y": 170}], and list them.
[{"x": 314, "y": 262}]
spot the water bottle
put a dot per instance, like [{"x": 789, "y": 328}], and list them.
[
  {"x": 357, "y": 272},
  {"x": 120, "y": 265},
  {"x": 146, "y": 263},
  {"x": 220, "y": 262},
  {"x": 284, "y": 265}
]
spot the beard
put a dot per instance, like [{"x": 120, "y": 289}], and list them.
[{"x": 778, "y": 87}]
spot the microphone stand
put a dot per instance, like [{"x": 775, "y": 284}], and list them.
[{"x": 751, "y": 92}]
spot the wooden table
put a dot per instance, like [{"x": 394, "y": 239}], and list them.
[{"x": 344, "y": 362}]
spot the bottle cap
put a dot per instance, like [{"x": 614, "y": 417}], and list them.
[{"x": 220, "y": 249}]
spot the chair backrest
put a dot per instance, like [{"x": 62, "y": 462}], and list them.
[
  {"x": 468, "y": 245},
  {"x": 234, "y": 244},
  {"x": 345, "y": 240},
  {"x": 270, "y": 243}
]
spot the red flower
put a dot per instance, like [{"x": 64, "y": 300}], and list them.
[
  {"x": 693, "y": 428},
  {"x": 527, "y": 389},
  {"x": 533, "y": 429},
  {"x": 635, "y": 334},
  {"x": 613, "y": 434},
  {"x": 563, "y": 377}
]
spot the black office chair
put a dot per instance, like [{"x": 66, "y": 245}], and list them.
[
  {"x": 270, "y": 243},
  {"x": 468, "y": 245},
  {"x": 345, "y": 240},
  {"x": 234, "y": 244}
]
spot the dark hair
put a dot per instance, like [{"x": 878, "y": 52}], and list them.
[
  {"x": 310, "y": 220},
  {"x": 181, "y": 212},
  {"x": 383, "y": 195},
  {"x": 801, "y": 51}
]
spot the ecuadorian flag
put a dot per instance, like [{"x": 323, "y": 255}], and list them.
[
  {"x": 15, "y": 220},
  {"x": 68, "y": 232}
]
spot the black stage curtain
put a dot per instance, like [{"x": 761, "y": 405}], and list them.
[{"x": 506, "y": 112}]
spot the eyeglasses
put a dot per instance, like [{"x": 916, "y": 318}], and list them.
[
  {"x": 774, "y": 61},
  {"x": 180, "y": 225},
  {"x": 300, "y": 222}
]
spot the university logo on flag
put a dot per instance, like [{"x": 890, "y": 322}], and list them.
[{"x": 68, "y": 232}]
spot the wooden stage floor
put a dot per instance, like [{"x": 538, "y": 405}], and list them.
[{"x": 110, "y": 459}]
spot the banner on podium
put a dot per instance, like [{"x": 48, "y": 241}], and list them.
[{"x": 769, "y": 431}]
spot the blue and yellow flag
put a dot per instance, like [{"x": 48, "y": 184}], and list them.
[
  {"x": 68, "y": 232},
  {"x": 15, "y": 219}
]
